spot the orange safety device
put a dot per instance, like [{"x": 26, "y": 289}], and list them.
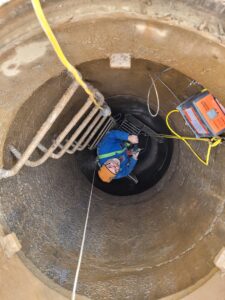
[
  {"x": 105, "y": 175},
  {"x": 204, "y": 114}
]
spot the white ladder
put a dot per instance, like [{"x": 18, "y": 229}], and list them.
[{"x": 93, "y": 123}]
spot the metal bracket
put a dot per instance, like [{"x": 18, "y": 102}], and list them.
[{"x": 4, "y": 173}]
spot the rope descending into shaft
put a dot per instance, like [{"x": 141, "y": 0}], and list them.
[
  {"x": 83, "y": 240},
  {"x": 58, "y": 50}
]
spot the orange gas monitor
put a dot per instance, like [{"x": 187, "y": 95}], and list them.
[{"x": 204, "y": 114}]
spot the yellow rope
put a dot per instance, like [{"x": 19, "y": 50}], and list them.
[
  {"x": 211, "y": 142},
  {"x": 45, "y": 26}
]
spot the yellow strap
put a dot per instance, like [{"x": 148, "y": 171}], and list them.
[
  {"x": 45, "y": 26},
  {"x": 216, "y": 142},
  {"x": 211, "y": 142}
]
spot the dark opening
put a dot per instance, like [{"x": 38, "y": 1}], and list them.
[{"x": 153, "y": 160}]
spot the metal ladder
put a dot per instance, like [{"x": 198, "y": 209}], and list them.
[{"x": 93, "y": 122}]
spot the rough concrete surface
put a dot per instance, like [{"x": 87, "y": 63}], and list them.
[
  {"x": 16, "y": 281},
  {"x": 10, "y": 244},
  {"x": 219, "y": 260},
  {"x": 213, "y": 289},
  {"x": 163, "y": 241},
  {"x": 4, "y": 2}
]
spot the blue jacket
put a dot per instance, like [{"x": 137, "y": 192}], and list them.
[{"x": 114, "y": 140}]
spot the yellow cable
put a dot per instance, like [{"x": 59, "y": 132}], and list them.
[
  {"x": 45, "y": 26},
  {"x": 211, "y": 143}
]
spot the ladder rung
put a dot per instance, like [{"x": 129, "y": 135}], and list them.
[
  {"x": 87, "y": 131},
  {"x": 76, "y": 134},
  {"x": 42, "y": 131},
  {"x": 59, "y": 139},
  {"x": 106, "y": 127},
  {"x": 93, "y": 133}
]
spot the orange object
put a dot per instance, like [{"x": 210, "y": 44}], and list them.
[
  {"x": 105, "y": 175},
  {"x": 204, "y": 114},
  {"x": 212, "y": 113}
]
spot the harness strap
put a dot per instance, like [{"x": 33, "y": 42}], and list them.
[{"x": 110, "y": 154}]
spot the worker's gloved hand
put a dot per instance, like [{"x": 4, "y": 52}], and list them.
[
  {"x": 135, "y": 155},
  {"x": 133, "y": 139},
  {"x": 135, "y": 151}
]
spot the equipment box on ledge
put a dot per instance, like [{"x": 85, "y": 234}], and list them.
[{"x": 204, "y": 115}]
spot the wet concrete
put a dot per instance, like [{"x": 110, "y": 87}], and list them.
[{"x": 141, "y": 249}]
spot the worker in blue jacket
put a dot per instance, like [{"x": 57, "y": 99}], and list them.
[{"x": 115, "y": 160}]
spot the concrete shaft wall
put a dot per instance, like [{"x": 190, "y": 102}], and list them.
[{"x": 148, "y": 246}]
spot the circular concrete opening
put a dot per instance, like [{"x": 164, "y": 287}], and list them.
[
  {"x": 142, "y": 236},
  {"x": 146, "y": 245},
  {"x": 154, "y": 158}
]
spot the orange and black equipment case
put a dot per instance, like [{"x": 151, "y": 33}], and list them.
[{"x": 204, "y": 115}]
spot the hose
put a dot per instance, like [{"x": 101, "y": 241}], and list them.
[
  {"x": 58, "y": 50},
  {"x": 213, "y": 142}
]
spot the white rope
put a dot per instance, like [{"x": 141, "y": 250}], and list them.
[
  {"x": 166, "y": 70},
  {"x": 157, "y": 98},
  {"x": 156, "y": 92},
  {"x": 83, "y": 240},
  {"x": 169, "y": 89}
]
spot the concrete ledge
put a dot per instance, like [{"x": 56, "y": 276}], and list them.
[{"x": 16, "y": 279}]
